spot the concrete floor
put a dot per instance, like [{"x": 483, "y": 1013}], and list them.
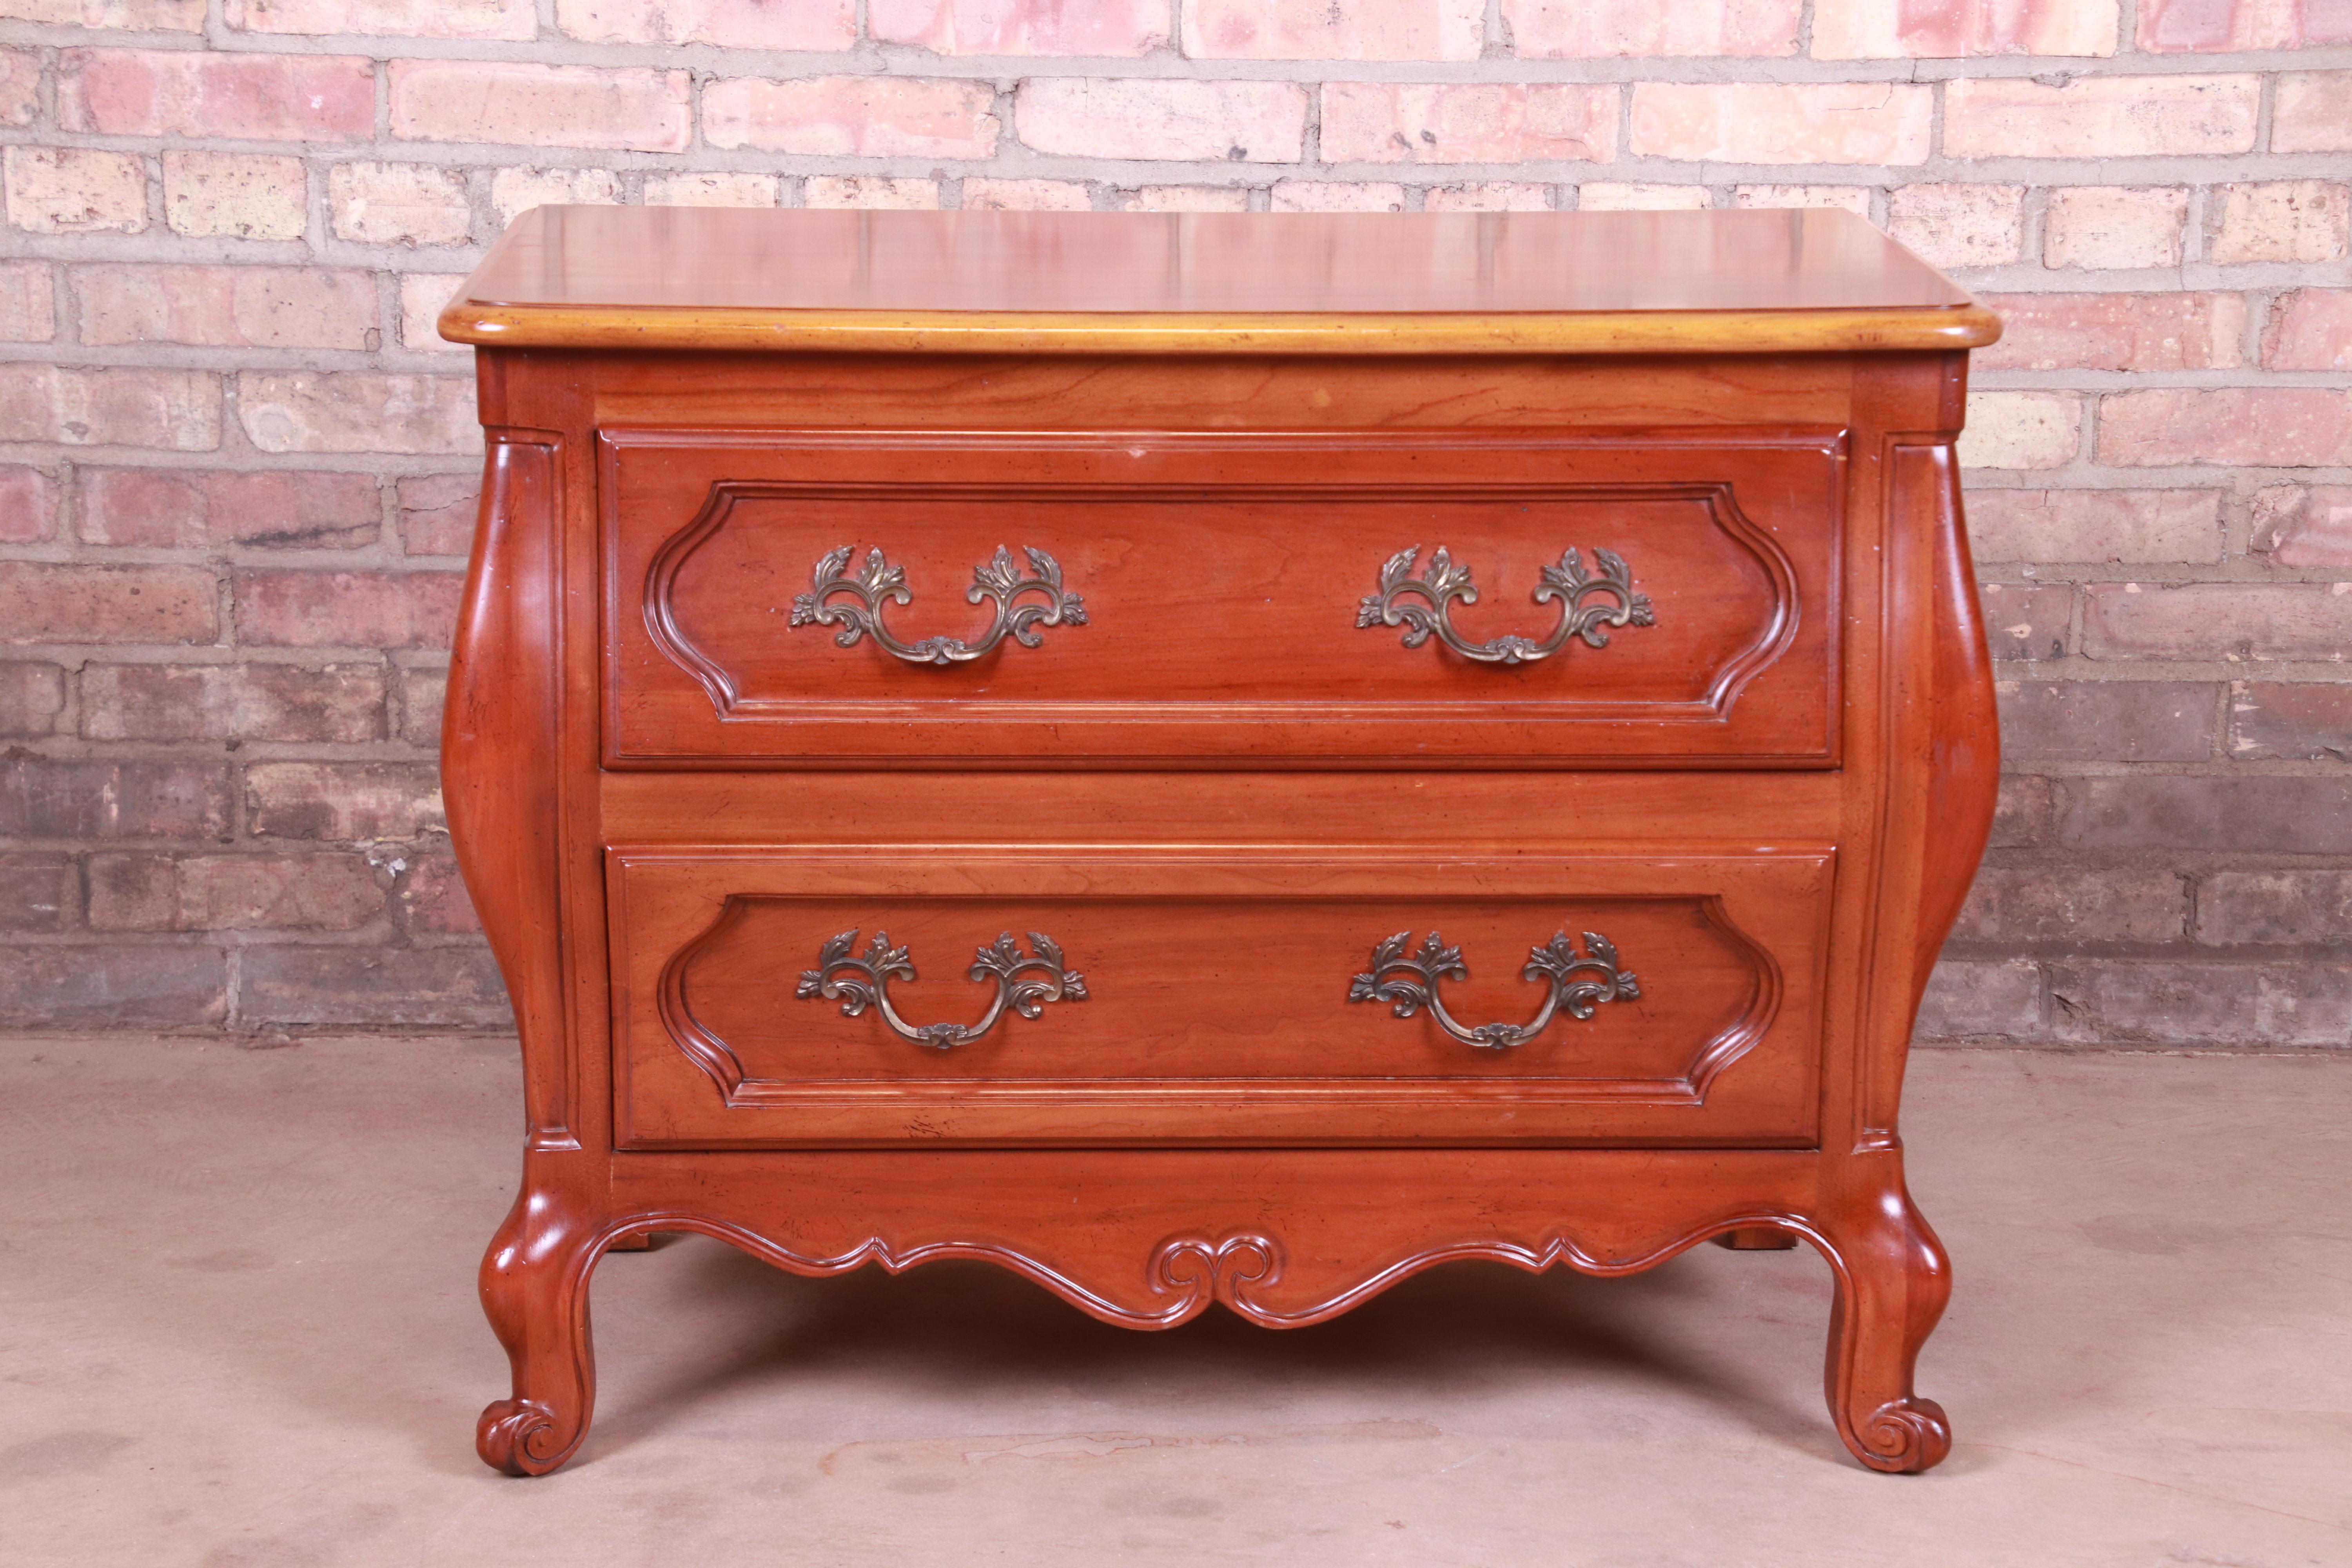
[{"x": 240, "y": 1329}]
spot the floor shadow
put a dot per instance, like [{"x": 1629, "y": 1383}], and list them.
[{"x": 969, "y": 1328}]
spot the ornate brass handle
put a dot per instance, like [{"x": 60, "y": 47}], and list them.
[
  {"x": 863, "y": 980},
  {"x": 1588, "y": 605},
  {"x": 996, "y": 578},
  {"x": 1555, "y": 962}
]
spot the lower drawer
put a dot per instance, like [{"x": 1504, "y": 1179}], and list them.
[{"x": 1216, "y": 995}]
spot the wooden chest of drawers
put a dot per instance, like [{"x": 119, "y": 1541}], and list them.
[{"x": 1216, "y": 758}]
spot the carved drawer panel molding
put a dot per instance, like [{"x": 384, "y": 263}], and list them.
[
  {"x": 794, "y": 598},
  {"x": 1217, "y": 997}
]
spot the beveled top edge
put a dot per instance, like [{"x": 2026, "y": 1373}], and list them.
[{"x": 1742, "y": 281}]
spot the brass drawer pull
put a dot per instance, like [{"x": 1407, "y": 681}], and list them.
[
  {"x": 1555, "y": 962},
  {"x": 863, "y": 980},
  {"x": 854, "y": 603},
  {"x": 1588, "y": 605}
]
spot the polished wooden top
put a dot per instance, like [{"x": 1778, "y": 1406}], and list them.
[{"x": 667, "y": 278}]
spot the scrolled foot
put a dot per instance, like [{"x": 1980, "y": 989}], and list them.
[
  {"x": 522, "y": 1437},
  {"x": 1904, "y": 1436},
  {"x": 534, "y": 1284},
  {"x": 1892, "y": 1279}
]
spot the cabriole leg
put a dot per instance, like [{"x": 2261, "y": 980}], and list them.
[
  {"x": 1892, "y": 1279},
  {"x": 535, "y": 1291}
]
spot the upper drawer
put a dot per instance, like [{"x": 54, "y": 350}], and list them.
[{"x": 1509, "y": 598}]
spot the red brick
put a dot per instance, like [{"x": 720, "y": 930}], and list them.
[
  {"x": 20, "y": 87},
  {"x": 1613, "y": 195},
  {"x": 423, "y": 295},
  {"x": 28, "y": 505},
  {"x": 2113, "y": 226},
  {"x": 2210, "y": 620},
  {"x": 2310, "y": 329},
  {"x": 1317, "y": 30},
  {"x": 849, "y": 116},
  {"x": 2103, "y": 525},
  {"x": 1782, "y": 122},
  {"x": 1873, "y": 29},
  {"x": 2229, "y": 25},
  {"x": 436, "y": 988},
  {"x": 422, "y": 694},
  {"x": 40, "y": 602},
  {"x": 127, "y": 15},
  {"x": 721, "y": 188},
  {"x": 356, "y": 411},
  {"x": 814, "y": 25},
  {"x": 1855, "y": 199},
  {"x": 2036, "y": 903},
  {"x": 541, "y": 106},
  {"x": 1970, "y": 1000},
  {"x": 399, "y": 203},
  {"x": 76, "y": 190},
  {"x": 2107, "y": 721},
  {"x": 94, "y": 986},
  {"x": 1235, "y": 121},
  {"x": 32, "y": 695},
  {"x": 1336, "y": 196},
  {"x": 1468, "y": 123},
  {"x": 411, "y": 18},
  {"x": 1492, "y": 197},
  {"x": 2027, "y": 621},
  {"x": 233, "y": 892},
  {"x": 2304, "y": 525},
  {"x": 2268, "y": 425},
  {"x": 240, "y": 195},
  {"x": 342, "y": 801},
  {"x": 514, "y": 190},
  {"x": 437, "y": 513},
  {"x": 2300, "y": 815},
  {"x": 2175, "y": 1004},
  {"x": 433, "y": 896},
  {"x": 178, "y": 409},
  {"x": 2116, "y": 332},
  {"x": 42, "y": 797},
  {"x": 28, "y": 312},
  {"x": 39, "y": 892},
  {"x": 2282, "y": 220},
  {"x": 2021, "y": 814},
  {"x": 2100, "y": 116},
  {"x": 1027, "y": 195},
  {"x": 2300, "y": 721},
  {"x": 2273, "y": 908},
  {"x": 347, "y": 609},
  {"x": 1566, "y": 29},
  {"x": 341, "y": 704},
  {"x": 870, "y": 190},
  {"x": 188, "y": 92},
  {"x": 2312, "y": 113},
  {"x": 228, "y": 306},
  {"x": 191, "y": 508},
  {"x": 1959, "y": 225},
  {"x": 1015, "y": 26},
  {"x": 2021, "y": 430}
]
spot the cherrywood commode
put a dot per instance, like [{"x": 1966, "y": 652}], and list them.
[{"x": 1213, "y": 758}]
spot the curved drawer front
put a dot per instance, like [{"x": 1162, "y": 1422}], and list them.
[
  {"x": 827, "y": 996},
  {"x": 1515, "y": 598}
]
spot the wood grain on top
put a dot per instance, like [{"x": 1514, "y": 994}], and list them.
[{"x": 1690, "y": 281}]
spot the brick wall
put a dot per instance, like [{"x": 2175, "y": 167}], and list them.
[{"x": 236, "y": 466}]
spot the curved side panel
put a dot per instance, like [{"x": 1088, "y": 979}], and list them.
[
  {"x": 499, "y": 754},
  {"x": 1965, "y": 781}
]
